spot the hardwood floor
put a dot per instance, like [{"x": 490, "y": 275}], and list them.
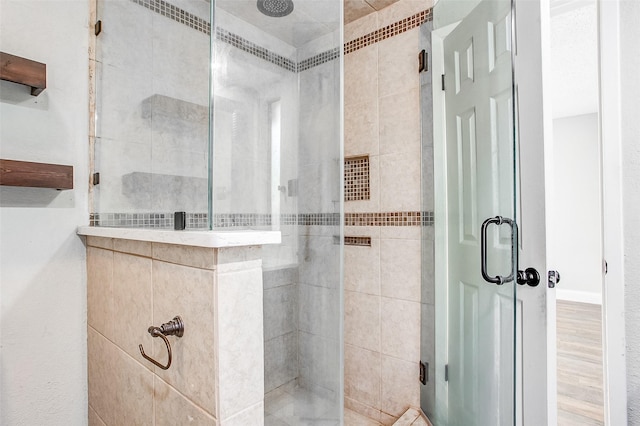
[{"x": 579, "y": 340}]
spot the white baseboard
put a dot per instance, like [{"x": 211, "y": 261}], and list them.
[{"x": 579, "y": 296}]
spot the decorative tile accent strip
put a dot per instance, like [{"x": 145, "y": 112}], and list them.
[
  {"x": 383, "y": 219},
  {"x": 427, "y": 219},
  {"x": 318, "y": 59},
  {"x": 357, "y": 241},
  {"x": 253, "y": 49},
  {"x": 133, "y": 220},
  {"x": 325, "y": 219},
  {"x": 176, "y": 14},
  {"x": 179, "y": 15},
  {"x": 389, "y": 31},
  {"x": 233, "y": 220},
  {"x": 356, "y": 179}
]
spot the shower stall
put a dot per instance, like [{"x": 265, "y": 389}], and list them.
[{"x": 227, "y": 115}]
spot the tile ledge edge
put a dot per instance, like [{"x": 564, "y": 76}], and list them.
[{"x": 210, "y": 239}]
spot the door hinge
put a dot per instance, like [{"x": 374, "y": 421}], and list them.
[
  {"x": 423, "y": 61},
  {"x": 97, "y": 28},
  {"x": 446, "y": 373},
  {"x": 95, "y": 179},
  {"x": 424, "y": 372},
  {"x": 443, "y": 82}
]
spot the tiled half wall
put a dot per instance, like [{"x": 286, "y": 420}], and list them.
[{"x": 216, "y": 377}]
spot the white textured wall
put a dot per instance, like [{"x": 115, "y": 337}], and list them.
[
  {"x": 42, "y": 261},
  {"x": 630, "y": 64},
  {"x": 577, "y": 235}
]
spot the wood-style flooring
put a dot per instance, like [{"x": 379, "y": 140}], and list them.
[{"x": 579, "y": 340}]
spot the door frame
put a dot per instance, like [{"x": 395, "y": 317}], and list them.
[
  {"x": 532, "y": 45},
  {"x": 537, "y": 329},
  {"x": 613, "y": 312},
  {"x": 533, "y": 58}
]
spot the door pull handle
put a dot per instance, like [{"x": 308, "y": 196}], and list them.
[{"x": 498, "y": 220}]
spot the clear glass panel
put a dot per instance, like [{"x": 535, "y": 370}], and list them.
[
  {"x": 151, "y": 113},
  {"x": 235, "y": 117},
  {"x": 277, "y": 158},
  {"x": 474, "y": 175}
]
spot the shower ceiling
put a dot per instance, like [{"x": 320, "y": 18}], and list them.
[{"x": 309, "y": 20}]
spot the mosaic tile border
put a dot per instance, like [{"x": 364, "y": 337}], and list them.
[
  {"x": 179, "y": 15},
  {"x": 175, "y": 13},
  {"x": 357, "y": 241},
  {"x": 356, "y": 178},
  {"x": 391, "y": 30},
  {"x": 389, "y": 219},
  {"x": 146, "y": 220},
  {"x": 318, "y": 59},
  {"x": 255, "y": 50},
  {"x": 199, "y": 220}
]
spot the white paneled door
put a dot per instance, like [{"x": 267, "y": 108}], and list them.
[{"x": 480, "y": 185}]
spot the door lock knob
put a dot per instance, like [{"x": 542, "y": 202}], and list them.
[
  {"x": 553, "y": 278},
  {"x": 529, "y": 276}
]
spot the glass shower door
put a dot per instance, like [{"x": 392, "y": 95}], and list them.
[{"x": 475, "y": 213}]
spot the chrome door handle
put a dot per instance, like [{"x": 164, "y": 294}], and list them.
[{"x": 498, "y": 220}]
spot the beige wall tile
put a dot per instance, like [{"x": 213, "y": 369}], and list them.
[
  {"x": 362, "y": 268},
  {"x": 428, "y": 273},
  {"x": 240, "y": 341},
  {"x": 100, "y": 290},
  {"x": 362, "y": 320},
  {"x": 397, "y": 70},
  {"x": 240, "y": 256},
  {"x": 356, "y": 9},
  {"x": 400, "y": 269},
  {"x": 380, "y": 4},
  {"x": 362, "y": 409},
  {"x": 362, "y": 376},
  {"x": 188, "y": 292},
  {"x": 400, "y": 122},
  {"x": 399, "y": 182},
  {"x": 363, "y": 231},
  {"x": 421, "y": 421},
  {"x": 408, "y": 417},
  {"x": 360, "y": 80},
  {"x": 171, "y": 408},
  {"x": 400, "y": 232},
  {"x": 100, "y": 242},
  {"x": 387, "y": 419},
  {"x": 361, "y": 129},
  {"x": 198, "y": 257},
  {"x": 428, "y": 190},
  {"x": 360, "y": 27},
  {"x": 351, "y": 418},
  {"x": 141, "y": 248},
  {"x": 400, "y": 10},
  {"x": 101, "y": 363},
  {"x": 132, "y": 303},
  {"x": 400, "y": 329},
  {"x": 134, "y": 392},
  {"x": 400, "y": 389},
  {"x": 94, "y": 419},
  {"x": 252, "y": 416}
]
